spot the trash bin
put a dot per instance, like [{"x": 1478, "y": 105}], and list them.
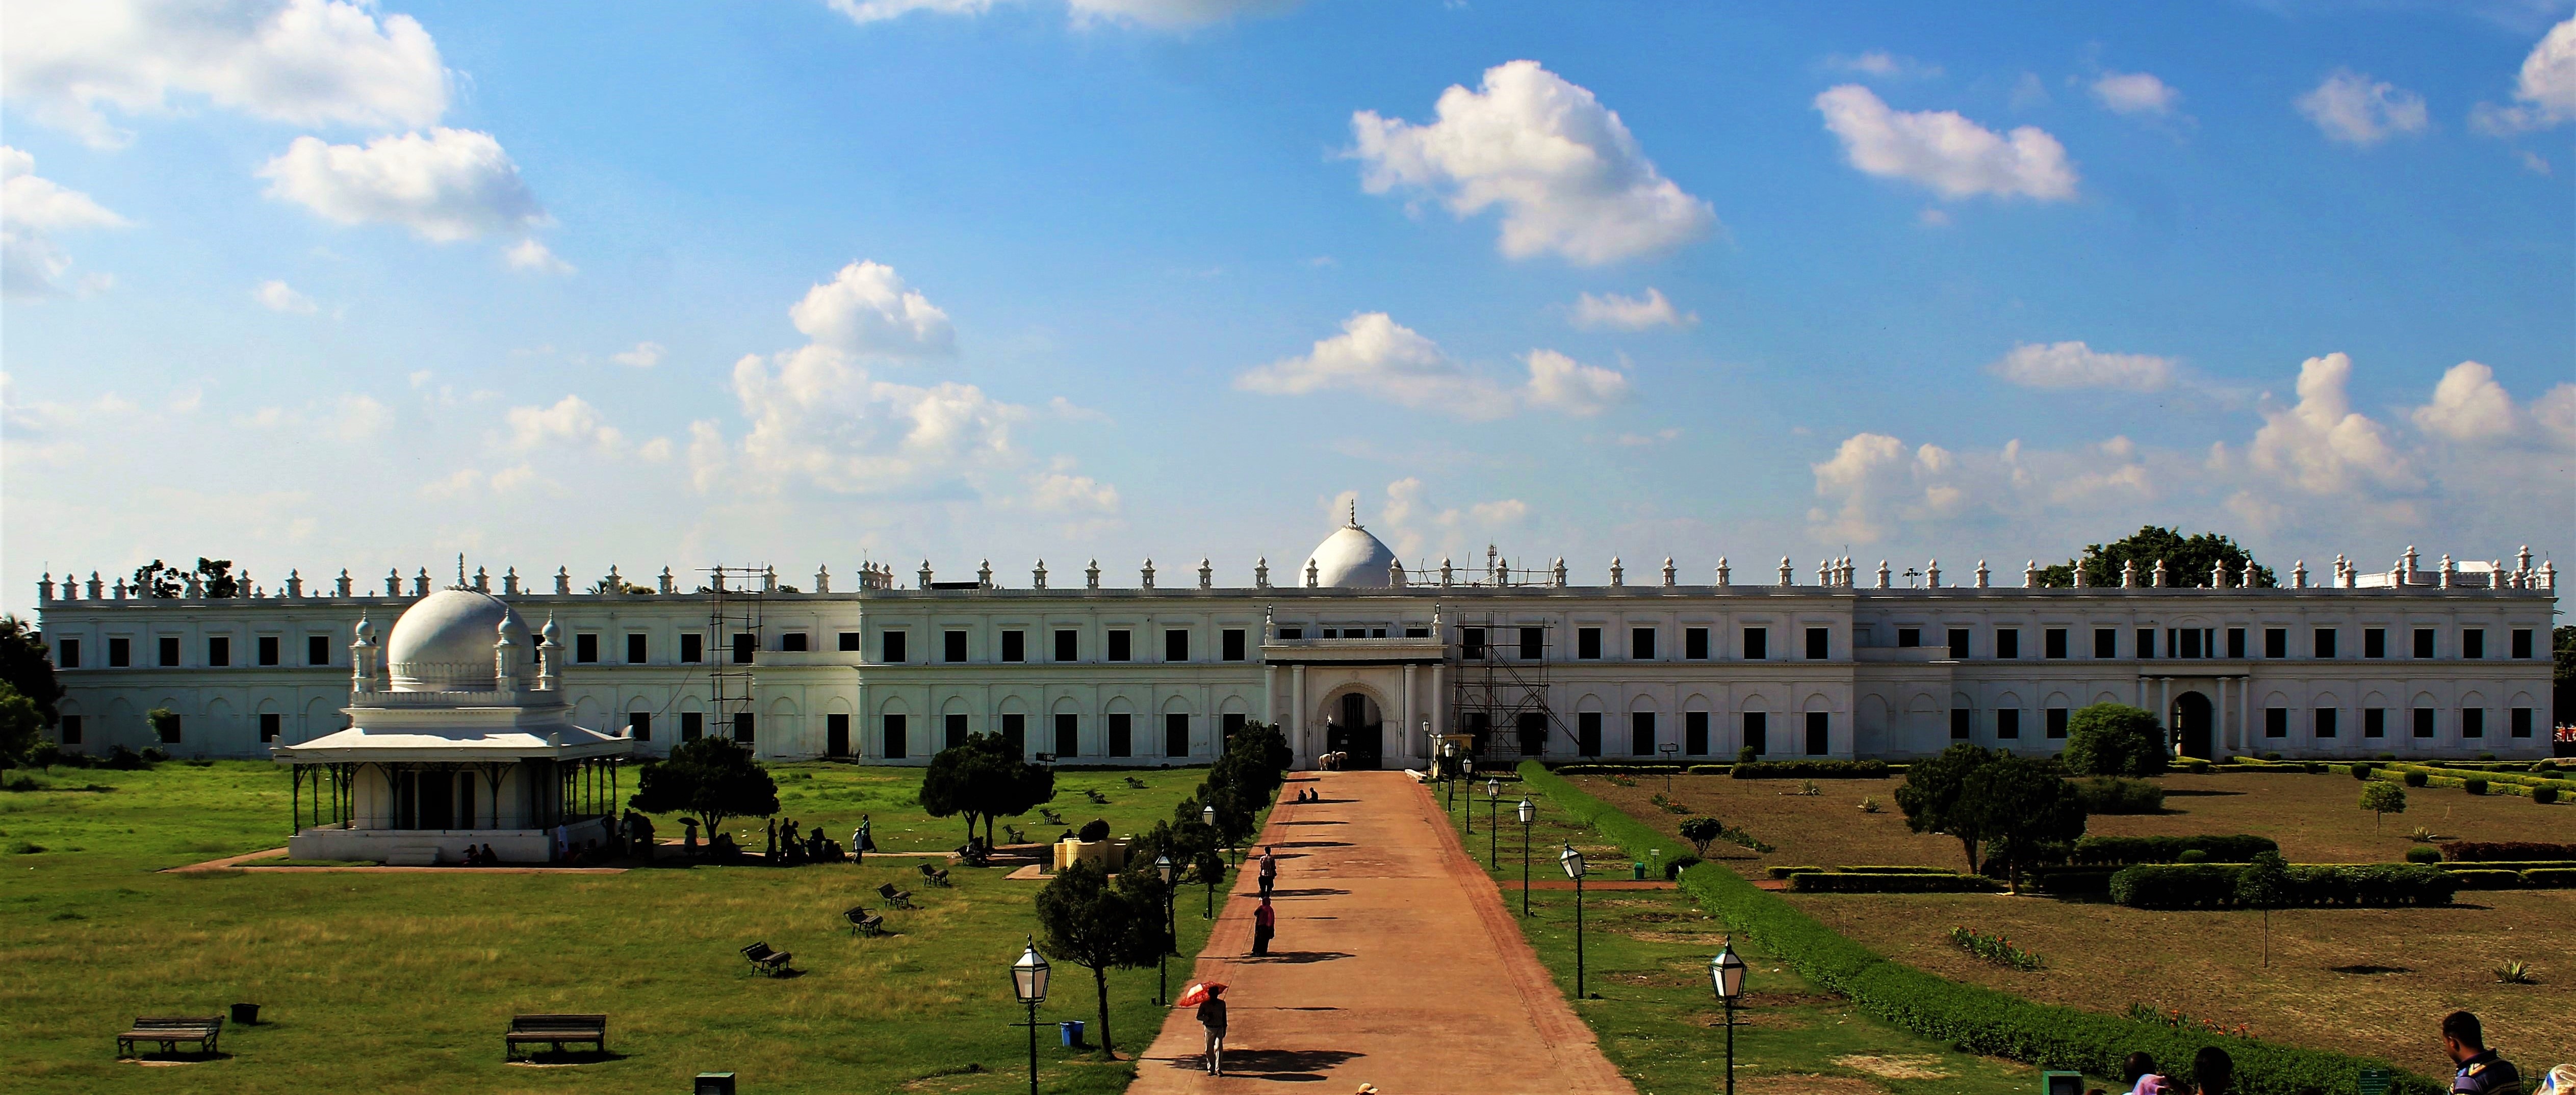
[
  {"x": 246, "y": 1015},
  {"x": 1637, "y": 871},
  {"x": 1071, "y": 1030}
]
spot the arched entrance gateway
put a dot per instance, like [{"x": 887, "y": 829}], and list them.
[
  {"x": 2193, "y": 722},
  {"x": 1356, "y": 727}
]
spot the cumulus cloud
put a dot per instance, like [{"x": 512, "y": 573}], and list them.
[
  {"x": 2137, "y": 93},
  {"x": 571, "y": 420},
  {"x": 2354, "y": 109},
  {"x": 1611, "y": 311},
  {"x": 1064, "y": 493},
  {"x": 277, "y": 296},
  {"x": 530, "y": 255},
  {"x": 1940, "y": 149},
  {"x": 1158, "y": 14},
  {"x": 1378, "y": 357},
  {"x": 2321, "y": 444},
  {"x": 867, "y": 309},
  {"x": 2471, "y": 407},
  {"x": 1567, "y": 175},
  {"x": 2076, "y": 365},
  {"x": 1414, "y": 524},
  {"x": 645, "y": 355},
  {"x": 1883, "y": 65},
  {"x": 304, "y": 62},
  {"x": 32, "y": 209},
  {"x": 453, "y": 184},
  {"x": 2545, "y": 95}
]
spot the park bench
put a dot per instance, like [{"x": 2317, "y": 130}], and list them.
[
  {"x": 1136, "y": 783},
  {"x": 864, "y": 922},
  {"x": 1097, "y": 798},
  {"x": 1052, "y": 817},
  {"x": 766, "y": 960},
  {"x": 169, "y": 1031},
  {"x": 1014, "y": 835},
  {"x": 901, "y": 899},
  {"x": 554, "y": 1030},
  {"x": 936, "y": 876}
]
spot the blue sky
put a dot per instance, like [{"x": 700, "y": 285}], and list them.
[{"x": 316, "y": 285}]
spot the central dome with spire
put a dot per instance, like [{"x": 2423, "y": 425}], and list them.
[
  {"x": 443, "y": 642},
  {"x": 1351, "y": 558}
]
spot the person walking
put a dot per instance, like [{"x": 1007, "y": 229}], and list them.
[
  {"x": 1265, "y": 924},
  {"x": 1212, "y": 1017},
  {"x": 1269, "y": 872},
  {"x": 859, "y": 844},
  {"x": 2482, "y": 1071},
  {"x": 867, "y": 834}
]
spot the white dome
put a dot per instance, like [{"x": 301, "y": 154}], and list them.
[
  {"x": 1350, "y": 558},
  {"x": 443, "y": 642}
]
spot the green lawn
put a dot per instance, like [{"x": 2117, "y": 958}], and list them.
[
  {"x": 1647, "y": 992},
  {"x": 404, "y": 982}
]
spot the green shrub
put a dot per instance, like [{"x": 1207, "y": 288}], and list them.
[
  {"x": 2115, "y": 795},
  {"x": 1678, "y": 864},
  {"x": 2213, "y": 885},
  {"x": 2196, "y": 766},
  {"x": 2423, "y": 853},
  {"x": 2488, "y": 851},
  {"x": 2191, "y": 855},
  {"x": 2544, "y": 795},
  {"x": 2550, "y": 877},
  {"x": 2074, "y": 881},
  {"x": 2361, "y": 771},
  {"x": 1812, "y": 769},
  {"x": 2417, "y": 779},
  {"x": 2314, "y": 767},
  {"x": 1995, "y": 949},
  {"x": 2272, "y": 756},
  {"x": 2474, "y": 785},
  {"x": 2122, "y": 850},
  {"x": 1896, "y": 869},
  {"x": 2480, "y": 879},
  {"x": 1857, "y": 882},
  {"x": 2114, "y": 739}
]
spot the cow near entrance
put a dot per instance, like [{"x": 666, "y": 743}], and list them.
[{"x": 1357, "y": 729}]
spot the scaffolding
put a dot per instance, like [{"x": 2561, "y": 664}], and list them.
[
  {"x": 734, "y": 596},
  {"x": 1499, "y": 689}
]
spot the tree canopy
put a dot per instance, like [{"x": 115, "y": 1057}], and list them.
[
  {"x": 1100, "y": 924},
  {"x": 2380, "y": 799},
  {"x": 984, "y": 778},
  {"x": 21, "y": 728},
  {"x": 27, "y": 664},
  {"x": 710, "y": 779},
  {"x": 2187, "y": 560},
  {"x": 1932, "y": 792},
  {"x": 2114, "y": 739},
  {"x": 2264, "y": 884},
  {"x": 2023, "y": 808}
]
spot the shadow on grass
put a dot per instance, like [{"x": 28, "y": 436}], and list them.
[
  {"x": 152, "y": 1059},
  {"x": 552, "y": 1058}
]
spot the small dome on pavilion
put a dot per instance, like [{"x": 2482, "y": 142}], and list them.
[{"x": 443, "y": 642}]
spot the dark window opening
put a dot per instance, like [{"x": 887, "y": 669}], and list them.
[
  {"x": 1641, "y": 644},
  {"x": 1015, "y": 733},
  {"x": 1066, "y": 645},
  {"x": 2374, "y": 642},
  {"x": 2052, "y": 643},
  {"x": 2374, "y": 722},
  {"x": 1587, "y": 643},
  {"x": 693, "y": 725},
  {"x": 1757, "y": 644},
  {"x": 1233, "y": 644},
  {"x": 67, "y": 653},
  {"x": 2423, "y": 722},
  {"x": 693, "y": 648},
  {"x": 317, "y": 650},
  {"x": 1119, "y": 649},
  {"x": 71, "y": 728},
  {"x": 585, "y": 648},
  {"x": 1820, "y": 644},
  {"x": 2008, "y": 642},
  {"x": 2008, "y": 722},
  {"x": 1015, "y": 646},
  {"x": 953, "y": 729},
  {"x": 1068, "y": 736},
  {"x": 1962, "y": 723},
  {"x": 169, "y": 651},
  {"x": 2056, "y": 728},
  {"x": 2146, "y": 643},
  {"x": 1121, "y": 735},
  {"x": 1820, "y": 737},
  {"x": 2522, "y": 642},
  {"x": 639, "y": 725},
  {"x": 269, "y": 725},
  {"x": 1471, "y": 644},
  {"x": 1176, "y": 644},
  {"x": 2325, "y": 719},
  {"x": 170, "y": 731},
  {"x": 890, "y": 647},
  {"x": 1757, "y": 732},
  {"x": 745, "y": 646},
  {"x": 1907, "y": 637},
  {"x": 2473, "y": 643},
  {"x": 2276, "y": 722},
  {"x": 2423, "y": 642},
  {"x": 119, "y": 653},
  {"x": 836, "y": 735},
  {"x": 267, "y": 651},
  {"x": 1176, "y": 735},
  {"x": 792, "y": 642},
  {"x": 2473, "y": 722},
  {"x": 2325, "y": 642},
  {"x": 1695, "y": 644},
  {"x": 2190, "y": 645},
  {"x": 895, "y": 741},
  {"x": 2106, "y": 642},
  {"x": 1587, "y": 733},
  {"x": 2236, "y": 642},
  {"x": 1533, "y": 643},
  {"x": 1233, "y": 725},
  {"x": 850, "y": 642},
  {"x": 1641, "y": 733},
  {"x": 1292, "y": 633},
  {"x": 952, "y": 646},
  {"x": 638, "y": 649},
  {"x": 219, "y": 651},
  {"x": 2276, "y": 642},
  {"x": 1695, "y": 733},
  {"x": 2518, "y": 722},
  {"x": 1959, "y": 643},
  {"x": 742, "y": 727}
]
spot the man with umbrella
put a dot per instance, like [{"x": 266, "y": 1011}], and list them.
[{"x": 1209, "y": 996}]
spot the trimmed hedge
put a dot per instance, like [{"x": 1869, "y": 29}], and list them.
[
  {"x": 2550, "y": 877},
  {"x": 1813, "y": 769},
  {"x": 2481, "y": 851},
  {"x": 1786, "y": 871},
  {"x": 2505, "y": 864},
  {"x": 2073, "y": 881},
  {"x": 1975, "y": 1019},
  {"x": 2486, "y": 879},
  {"x": 2101, "y": 850},
  {"x": 2213, "y": 885},
  {"x": 1866, "y": 882}
]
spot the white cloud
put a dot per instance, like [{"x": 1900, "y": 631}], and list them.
[
  {"x": 1614, "y": 312},
  {"x": 571, "y": 420},
  {"x": 277, "y": 296},
  {"x": 1560, "y": 383},
  {"x": 304, "y": 62},
  {"x": 645, "y": 355},
  {"x": 528, "y": 254},
  {"x": 2468, "y": 405},
  {"x": 1378, "y": 357},
  {"x": 1414, "y": 525},
  {"x": 1957, "y": 158},
  {"x": 1883, "y": 65},
  {"x": 2320, "y": 444},
  {"x": 2136, "y": 93},
  {"x": 453, "y": 184},
  {"x": 1568, "y": 176},
  {"x": 1158, "y": 14},
  {"x": 867, "y": 309},
  {"x": 33, "y": 207},
  {"x": 2545, "y": 95},
  {"x": 2076, "y": 365},
  {"x": 2353, "y": 108},
  {"x": 1064, "y": 493},
  {"x": 817, "y": 414}
]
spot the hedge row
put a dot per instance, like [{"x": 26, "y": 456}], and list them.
[
  {"x": 1865, "y": 882},
  {"x": 2481, "y": 851},
  {"x": 2556, "y": 878},
  {"x": 2213, "y": 885},
  {"x": 2502, "y": 864},
  {"x": 1813, "y": 769},
  {"x": 1587, "y": 768},
  {"x": 2100, "y": 850},
  {"x": 1786, "y": 871},
  {"x": 1977, "y": 1020}
]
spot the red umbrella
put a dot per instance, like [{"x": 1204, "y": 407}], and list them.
[{"x": 1199, "y": 993}]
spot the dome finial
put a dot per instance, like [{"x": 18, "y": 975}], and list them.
[{"x": 1355, "y": 511}]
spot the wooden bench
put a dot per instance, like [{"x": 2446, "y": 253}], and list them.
[
  {"x": 169, "y": 1031},
  {"x": 1013, "y": 834},
  {"x": 1097, "y": 798},
  {"x": 901, "y": 899},
  {"x": 766, "y": 960},
  {"x": 936, "y": 876},
  {"x": 554, "y": 1030},
  {"x": 1052, "y": 817},
  {"x": 1136, "y": 783},
  {"x": 864, "y": 922}
]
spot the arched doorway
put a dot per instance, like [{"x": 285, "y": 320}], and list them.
[
  {"x": 2193, "y": 722},
  {"x": 1354, "y": 726}
]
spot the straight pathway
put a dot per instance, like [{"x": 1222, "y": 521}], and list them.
[{"x": 1396, "y": 964}]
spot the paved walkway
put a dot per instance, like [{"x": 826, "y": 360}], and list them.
[{"x": 1395, "y": 965}]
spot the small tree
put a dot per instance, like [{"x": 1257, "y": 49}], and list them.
[
  {"x": 1931, "y": 793},
  {"x": 2114, "y": 739},
  {"x": 2187, "y": 560},
  {"x": 21, "y": 728},
  {"x": 164, "y": 723},
  {"x": 1099, "y": 925},
  {"x": 710, "y": 779},
  {"x": 2264, "y": 884},
  {"x": 27, "y": 665},
  {"x": 983, "y": 778},
  {"x": 1702, "y": 832},
  {"x": 2022, "y": 807},
  {"x": 2382, "y": 799}
]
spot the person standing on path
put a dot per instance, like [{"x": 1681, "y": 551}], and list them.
[
  {"x": 1269, "y": 872},
  {"x": 1212, "y": 1017},
  {"x": 1265, "y": 924},
  {"x": 867, "y": 840},
  {"x": 859, "y": 844}
]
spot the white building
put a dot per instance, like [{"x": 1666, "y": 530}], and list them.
[{"x": 1350, "y": 651}]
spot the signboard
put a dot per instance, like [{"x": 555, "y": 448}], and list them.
[
  {"x": 2374, "y": 1081},
  {"x": 2061, "y": 1083}
]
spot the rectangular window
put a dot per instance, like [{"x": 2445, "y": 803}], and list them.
[
  {"x": 1232, "y": 648},
  {"x": 1471, "y": 644},
  {"x": 952, "y": 646},
  {"x": 2276, "y": 642},
  {"x": 2473, "y": 643},
  {"x": 1015, "y": 733},
  {"x": 67, "y": 653},
  {"x": 1757, "y": 732},
  {"x": 1909, "y": 636},
  {"x": 792, "y": 642},
  {"x": 693, "y": 648},
  {"x": 1641, "y": 733},
  {"x": 890, "y": 647},
  {"x": 2374, "y": 642},
  {"x": 1118, "y": 646},
  {"x": 1757, "y": 644},
  {"x": 71, "y": 727},
  {"x": 2008, "y": 642},
  {"x": 317, "y": 650},
  {"x": 1233, "y": 724},
  {"x": 952, "y": 731},
  {"x": 2325, "y": 722},
  {"x": 742, "y": 727},
  {"x": 1176, "y": 644},
  {"x": 2518, "y": 722},
  {"x": 1533, "y": 643},
  {"x": 1695, "y": 644},
  {"x": 2374, "y": 722},
  {"x": 2056, "y": 723},
  {"x": 2052, "y": 643},
  {"x": 638, "y": 647},
  {"x": 2522, "y": 642},
  {"x": 1587, "y": 643},
  {"x": 1959, "y": 642},
  {"x": 836, "y": 735},
  {"x": 1066, "y": 645},
  {"x": 895, "y": 735},
  {"x": 639, "y": 725},
  {"x": 1641, "y": 644},
  {"x": 1015, "y": 646},
  {"x": 170, "y": 732},
  {"x": 266, "y": 651},
  {"x": 2191, "y": 645},
  {"x": 2146, "y": 643},
  {"x": 1068, "y": 735},
  {"x": 2276, "y": 722},
  {"x": 269, "y": 725},
  {"x": 2106, "y": 642},
  {"x": 1121, "y": 736},
  {"x": 2324, "y": 643},
  {"x": 1176, "y": 735},
  {"x": 2423, "y": 642},
  {"x": 1963, "y": 723},
  {"x": 2008, "y": 722},
  {"x": 2423, "y": 722},
  {"x": 850, "y": 642},
  {"x": 1695, "y": 733},
  {"x": 2235, "y": 642},
  {"x": 219, "y": 651},
  {"x": 1587, "y": 733},
  {"x": 169, "y": 649},
  {"x": 2473, "y": 722},
  {"x": 119, "y": 653},
  {"x": 745, "y": 646},
  {"x": 693, "y": 725},
  {"x": 1820, "y": 737},
  {"x": 1417, "y": 633},
  {"x": 1820, "y": 644},
  {"x": 585, "y": 648}
]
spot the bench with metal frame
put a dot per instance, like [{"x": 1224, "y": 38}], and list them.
[
  {"x": 766, "y": 960},
  {"x": 901, "y": 899},
  {"x": 864, "y": 922},
  {"x": 169, "y": 1031},
  {"x": 554, "y": 1030}
]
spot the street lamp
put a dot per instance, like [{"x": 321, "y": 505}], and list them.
[
  {"x": 1572, "y": 861},
  {"x": 1493, "y": 836},
  {"x": 1467, "y": 768},
  {"x": 1029, "y": 982},
  {"x": 1528, "y": 812},
  {"x": 1207, "y": 814},
  {"x": 1163, "y": 866},
  {"x": 1726, "y": 975},
  {"x": 1449, "y": 771}
]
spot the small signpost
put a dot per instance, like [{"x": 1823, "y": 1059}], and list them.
[{"x": 2374, "y": 1081}]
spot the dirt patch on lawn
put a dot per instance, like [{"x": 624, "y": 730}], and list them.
[
  {"x": 1804, "y": 1085},
  {"x": 1900, "y": 1067}
]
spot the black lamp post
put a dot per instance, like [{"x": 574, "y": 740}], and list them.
[
  {"x": 1163, "y": 866},
  {"x": 1467, "y": 768},
  {"x": 1572, "y": 861},
  {"x": 1493, "y": 835},
  {"x": 1029, "y": 982},
  {"x": 1208, "y": 814},
  {"x": 1528, "y": 812},
  {"x": 1726, "y": 975},
  {"x": 1449, "y": 772}
]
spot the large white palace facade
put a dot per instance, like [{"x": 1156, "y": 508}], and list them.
[{"x": 1351, "y": 652}]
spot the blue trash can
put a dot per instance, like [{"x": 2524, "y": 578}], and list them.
[{"x": 1071, "y": 1031}]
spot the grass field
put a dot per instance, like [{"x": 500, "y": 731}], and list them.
[
  {"x": 403, "y": 982},
  {"x": 2364, "y": 981}
]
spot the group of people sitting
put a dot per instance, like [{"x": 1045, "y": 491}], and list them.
[
  {"x": 787, "y": 848},
  {"x": 1308, "y": 794},
  {"x": 481, "y": 857}
]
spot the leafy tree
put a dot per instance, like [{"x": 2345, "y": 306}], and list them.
[
  {"x": 215, "y": 578},
  {"x": 2265, "y": 884},
  {"x": 2023, "y": 808},
  {"x": 984, "y": 778},
  {"x": 1101, "y": 925},
  {"x": 1702, "y": 832},
  {"x": 27, "y": 664},
  {"x": 2187, "y": 560},
  {"x": 1932, "y": 792},
  {"x": 2114, "y": 739},
  {"x": 156, "y": 579},
  {"x": 2382, "y": 799},
  {"x": 22, "y": 729},
  {"x": 710, "y": 779},
  {"x": 164, "y": 723}
]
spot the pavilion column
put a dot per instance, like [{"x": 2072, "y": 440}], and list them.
[
  {"x": 1297, "y": 710},
  {"x": 1404, "y": 722},
  {"x": 1270, "y": 695},
  {"x": 1438, "y": 703}
]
